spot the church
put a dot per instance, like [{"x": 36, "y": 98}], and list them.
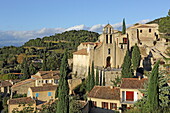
[{"x": 109, "y": 50}]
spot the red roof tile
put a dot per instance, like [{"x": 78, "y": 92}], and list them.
[
  {"x": 81, "y": 52},
  {"x": 133, "y": 83},
  {"x": 23, "y": 100},
  {"x": 105, "y": 92}
]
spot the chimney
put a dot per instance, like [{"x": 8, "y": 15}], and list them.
[{"x": 139, "y": 77}]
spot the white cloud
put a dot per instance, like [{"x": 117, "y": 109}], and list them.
[{"x": 17, "y": 38}]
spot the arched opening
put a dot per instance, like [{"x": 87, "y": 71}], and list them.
[{"x": 108, "y": 59}]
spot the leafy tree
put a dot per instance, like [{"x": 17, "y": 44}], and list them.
[
  {"x": 32, "y": 69},
  {"x": 116, "y": 82},
  {"x": 124, "y": 27},
  {"x": 126, "y": 66},
  {"x": 153, "y": 89},
  {"x": 75, "y": 106},
  {"x": 135, "y": 57},
  {"x": 97, "y": 76},
  {"x": 63, "y": 98}
]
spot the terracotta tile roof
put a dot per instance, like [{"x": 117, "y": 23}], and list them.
[
  {"x": 105, "y": 92},
  {"x": 44, "y": 88},
  {"x": 5, "y": 83},
  {"x": 146, "y": 26},
  {"x": 49, "y": 74},
  {"x": 81, "y": 52},
  {"x": 23, "y": 82},
  {"x": 23, "y": 100},
  {"x": 36, "y": 77},
  {"x": 133, "y": 83},
  {"x": 90, "y": 43}
]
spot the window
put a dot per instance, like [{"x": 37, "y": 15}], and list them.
[
  {"x": 28, "y": 93},
  {"x": 140, "y": 31},
  {"x": 56, "y": 81},
  {"x": 129, "y": 96},
  {"x": 46, "y": 81},
  {"x": 125, "y": 40},
  {"x": 36, "y": 94},
  {"x": 110, "y": 38},
  {"x": 113, "y": 106},
  {"x": 49, "y": 93},
  {"x": 109, "y": 51},
  {"x": 105, "y": 105},
  {"x": 106, "y": 38},
  {"x": 149, "y": 30}
]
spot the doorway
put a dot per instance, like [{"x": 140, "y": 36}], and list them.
[{"x": 108, "y": 59}]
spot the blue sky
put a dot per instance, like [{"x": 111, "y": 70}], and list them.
[{"x": 34, "y": 15}]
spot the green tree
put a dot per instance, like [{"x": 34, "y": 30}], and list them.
[
  {"x": 25, "y": 69},
  {"x": 75, "y": 106},
  {"x": 44, "y": 66},
  {"x": 124, "y": 27},
  {"x": 136, "y": 57},
  {"x": 97, "y": 76},
  {"x": 88, "y": 80},
  {"x": 104, "y": 82},
  {"x": 92, "y": 80},
  {"x": 153, "y": 89},
  {"x": 63, "y": 97},
  {"x": 32, "y": 69},
  {"x": 126, "y": 66}
]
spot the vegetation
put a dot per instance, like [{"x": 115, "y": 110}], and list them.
[
  {"x": 153, "y": 92},
  {"x": 126, "y": 66},
  {"x": 63, "y": 97},
  {"x": 135, "y": 57},
  {"x": 156, "y": 94},
  {"x": 124, "y": 27},
  {"x": 97, "y": 76}
]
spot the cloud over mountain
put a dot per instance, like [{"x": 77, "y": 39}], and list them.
[{"x": 17, "y": 38}]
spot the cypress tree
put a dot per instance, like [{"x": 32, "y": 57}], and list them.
[
  {"x": 25, "y": 69},
  {"x": 63, "y": 99},
  {"x": 92, "y": 80},
  {"x": 44, "y": 66},
  {"x": 104, "y": 78},
  {"x": 136, "y": 57},
  {"x": 126, "y": 66},
  {"x": 153, "y": 89},
  {"x": 124, "y": 27},
  {"x": 97, "y": 76},
  {"x": 88, "y": 80}
]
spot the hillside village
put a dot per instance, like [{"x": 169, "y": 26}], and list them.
[{"x": 113, "y": 90}]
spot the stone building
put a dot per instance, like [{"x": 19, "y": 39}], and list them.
[
  {"x": 109, "y": 50},
  {"x": 105, "y": 53},
  {"x": 43, "y": 93},
  {"x": 19, "y": 104}
]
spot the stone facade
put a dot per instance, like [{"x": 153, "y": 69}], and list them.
[
  {"x": 109, "y": 51},
  {"x": 105, "y": 53}
]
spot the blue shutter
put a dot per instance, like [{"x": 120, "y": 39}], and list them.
[
  {"x": 37, "y": 95},
  {"x": 49, "y": 93}
]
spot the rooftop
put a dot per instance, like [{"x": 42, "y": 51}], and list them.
[
  {"x": 23, "y": 100},
  {"x": 105, "y": 92},
  {"x": 133, "y": 83},
  {"x": 5, "y": 83},
  {"x": 47, "y": 74},
  {"x": 81, "y": 52},
  {"x": 44, "y": 88},
  {"x": 23, "y": 82}
]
